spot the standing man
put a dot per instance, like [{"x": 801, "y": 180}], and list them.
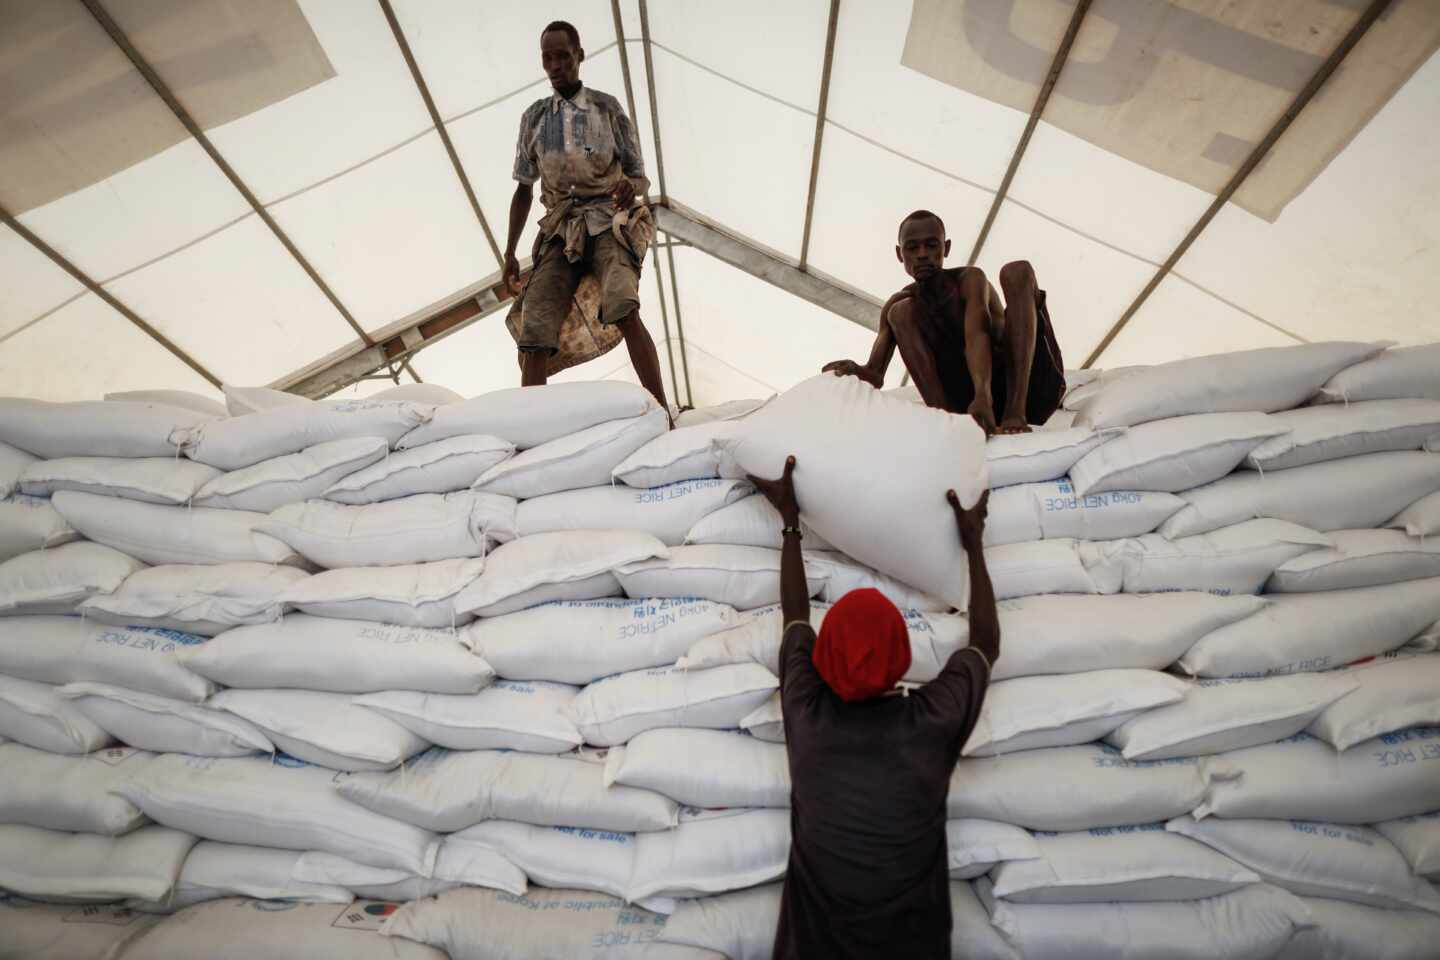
[
  {"x": 584, "y": 151},
  {"x": 966, "y": 351},
  {"x": 870, "y": 768}
]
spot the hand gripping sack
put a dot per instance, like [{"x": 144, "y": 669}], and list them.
[
  {"x": 447, "y": 790},
  {"x": 1270, "y": 379},
  {"x": 913, "y": 454},
  {"x": 217, "y": 799}
]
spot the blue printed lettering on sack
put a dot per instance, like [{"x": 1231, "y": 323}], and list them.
[
  {"x": 674, "y": 491},
  {"x": 1126, "y": 829},
  {"x": 1415, "y": 745},
  {"x": 1067, "y": 499},
  {"x": 1113, "y": 758},
  {"x": 149, "y": 639},
  {"x": 1331, "y": 832},
  {"x": 514, "y": 686},
  {"x": 584, "y": 833}
]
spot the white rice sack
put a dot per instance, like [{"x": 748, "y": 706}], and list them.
[
  {"x": 70, "y": 793},
  {"x": 742, "y": 577},
  {"x": 239, "y": 442},
  {"x": 446, "y": 790},
  {"x": 728, "y": 410},
  {"x": 326, "y": 729},
  {"x": 476, "y": 863},
  {"x": 1341, "y": 931},
  {"x": 1221, "y": 715},
  {"x": 1041, "y": 455},
  {"x": 242, "y": 400},
  {"x": 84, "y": 867},
  {"x": 440, "y": 467},
  {"x": 1058, "y": 711},
  {"x": 217, "y": 799},
  {"x": 613, "y": 710},
  {"x": 975, "y": 846},
  {"x": 767, "y": 721},
  {"x": 1394, "y": 373},
  {"x": 1174, "y": 454},
  {"x": 577, "y": 641},
  {"x": 1236, "y": 559},
  {"x": 378, "y": 883},
  {"x": 1071, "y": 634},
  {"x": 340, "y": 656},
  {"x": 412, "y": 595},
  {"x": 431, "y": 393},
  {"x": 31, "y": 523},
  {"x": 270, "y": 484},
  {"x": 507, "y": 715},
  {"x": 1359, "y": 558},
  {"x": 418, "y": 529},
  {"x": 161, "y": 534},
  {"x": 57, "y": 580},
  {"x": 244, "y": 929},
  {"x": 739, "y": 925},
  {"x": 1331, "y": 432},
  {"x": 1394, "y": 692},
  {"x": 161, "y": 725},
  {"x": 1073, "y": 788},
  {"x": 206, "y": 599},
  {"x": 473, "y": 924},
  {"x": 703, "y": 768},
  {"x": 1317, "y": 859},
  {"x": 184, "y": 399},
  {"x": 1421, "y": 518},
  {"x": 685, "y": 453},
  {"x": 1270, "y": 379},
  {"x": 599, "y": 860},
  {"x": 214, "y": 870},
  {"x": 72, "y": 650},
  {"x": 1302, "y": 777},
  {"x": 162, "y": 480},
  {"x": 667, "y": 512},
  {"x": 574, "y": 461},
  {"x": 13, "y": 463},
  {"x": 711, "y": 852},
  {"x": 748, "y": 522},
  {"x": 1052, "y": 510},
  {"x": 913, "y": 453},
  {"x": 530, "y": 416},
  {"x": 94, "y": 428},
  {"x": 32, "y": 714},
  {"x": 1418, "y": 840},
  {"x": 1306, "y": 632},
  {"x": 1352, "y": 494},
  {"x": 843, "y": 574},
  {"x": 568, "y": 565},
  {"x": 1083, "y": 385},
  {"x": 1054, "y": 566},
  {"x": 1132, "y": 864},
  {"x": 1252, "y": 923},
  {"x": 45, "y": 931}
]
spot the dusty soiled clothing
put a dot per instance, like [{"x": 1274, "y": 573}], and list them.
[{"x": 869, "y": 867}]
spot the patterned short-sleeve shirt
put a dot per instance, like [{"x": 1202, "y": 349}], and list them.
[{"x": 579, "y": 147}]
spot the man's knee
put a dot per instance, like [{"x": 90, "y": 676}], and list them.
[{"x": 1017, "y": 275}]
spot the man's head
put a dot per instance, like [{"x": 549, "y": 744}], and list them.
[
  {"x": 560, "y": 56},
  {"x": 922, "y": 246},
  {"x": 864, "y": 647}
]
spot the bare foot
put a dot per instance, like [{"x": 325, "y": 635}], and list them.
[{"x": 1013, "y": 425}]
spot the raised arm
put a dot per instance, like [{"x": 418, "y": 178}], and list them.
[
  {"x": 984, "y": 619},
  {"x": 794, "y": 591},
  {"x": 881, "y": 352}
]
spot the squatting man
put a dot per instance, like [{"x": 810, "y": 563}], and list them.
[
  {"x": 966, "y": 350},
  {"x": 870, "y": 767}
]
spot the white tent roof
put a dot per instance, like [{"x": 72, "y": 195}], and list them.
[{"x": 311, "y": 103}]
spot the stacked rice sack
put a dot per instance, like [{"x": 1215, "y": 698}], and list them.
[{"x": 512, "y": 659}]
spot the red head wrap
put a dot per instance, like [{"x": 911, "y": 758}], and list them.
[{"x": 863, "y": 648}]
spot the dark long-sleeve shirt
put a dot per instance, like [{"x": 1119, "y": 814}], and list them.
[{"x": 868, "y": 874}]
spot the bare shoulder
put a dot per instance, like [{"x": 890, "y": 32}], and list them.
[{"x": 898, "y": 307}]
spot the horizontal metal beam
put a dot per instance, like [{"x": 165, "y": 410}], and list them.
[
  {"x": 758, "y": 262},
  {"x": 398, "y": 342}
]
